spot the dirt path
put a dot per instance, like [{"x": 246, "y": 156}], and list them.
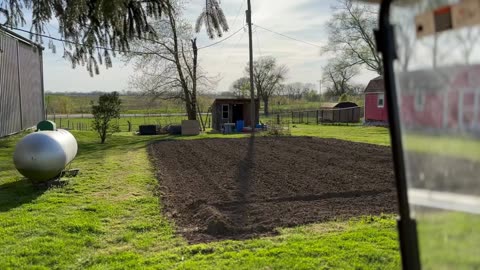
[{"x": 239, "y": 188}]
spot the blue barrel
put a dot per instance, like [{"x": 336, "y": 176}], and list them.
[{"x": 240, "y": 125}]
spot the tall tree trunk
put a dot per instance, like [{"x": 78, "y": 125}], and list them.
[
  {"x": 191, "y": 111},
  {"x": 194, "y": 104},
  {"x": 265, "y": 106},
  {"x": 435, "y": 51}
]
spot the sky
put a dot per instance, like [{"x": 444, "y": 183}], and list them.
[{"x": 301, "y": 19}]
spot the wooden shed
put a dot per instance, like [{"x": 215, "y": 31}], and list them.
[
  {"x": 231, "y": 110},
  {"x": 444, "y": 98},
  {"x": 375, "y": 103},
  {"x": 441, "y": 98},
  {"x": 343, "y": 112}
]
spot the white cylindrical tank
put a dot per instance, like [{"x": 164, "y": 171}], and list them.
[{"x": 42, "y": 155}]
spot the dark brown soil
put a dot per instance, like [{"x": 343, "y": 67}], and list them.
[{"x": 238, "y": 188}]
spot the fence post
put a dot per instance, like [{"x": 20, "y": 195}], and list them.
[
  {"x": 293, "y": 122},
  {"x": 317, "y": 117},
  {"x": 278, "y": 119},
  {"x": 60, "y": 122}
]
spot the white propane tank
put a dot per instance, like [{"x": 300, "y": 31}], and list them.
[{"x": 42, "y": 155}]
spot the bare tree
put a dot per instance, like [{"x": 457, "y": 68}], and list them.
[
  {"x": 406, "y": 41},
  {"x": 170, "y": 68},
  {"x": 241, "y": 87},
  {"x": 337, "y": 75},
  {"x": 213, "y": 18},
  {"x": 350, "y": 34},
  {"x": 297, "y": 90},
  {"x": 267, "y": 77},
  {"x": 467, "y": 39}
]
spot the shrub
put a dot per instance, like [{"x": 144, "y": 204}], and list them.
[{"x": 108, "y": 108}]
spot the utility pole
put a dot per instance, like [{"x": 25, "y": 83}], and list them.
[{"x": 252, "y": 89}]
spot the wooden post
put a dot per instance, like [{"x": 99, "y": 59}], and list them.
[
  {"x": 252, "y": 86},
  {"x": 460, "y": 110},
  {"x": 317, "y": 117}
]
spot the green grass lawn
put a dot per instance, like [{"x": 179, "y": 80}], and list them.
[
  {"x": 449, "y": 240},
  {"x": 109, "y": 217},
  {"x": 355, "y": 133},
  {"x": 460, "y": 147}
]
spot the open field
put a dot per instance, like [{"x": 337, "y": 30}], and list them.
[
  {"x": 139, "y": 104},
  {"x": 123, "y": 123},
  {"x": 233, "y": 189},
  {"x": 70, "y": 103}
]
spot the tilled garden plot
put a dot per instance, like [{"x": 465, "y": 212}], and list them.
[{"x": 238, "y": 188}]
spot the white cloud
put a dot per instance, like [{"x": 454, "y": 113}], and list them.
[{"x": 301, "y": 19}]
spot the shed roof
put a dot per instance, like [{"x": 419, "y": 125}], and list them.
[
  {"x": 338, "y": 105},
  {"x": 240, "y": 100},
  {"x": 375, "y": 85},
  {"x": 20, "y": 37},
  {"x": 437, "y": 79}
]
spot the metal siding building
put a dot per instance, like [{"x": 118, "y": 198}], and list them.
[{"x": 21, "y": 83}]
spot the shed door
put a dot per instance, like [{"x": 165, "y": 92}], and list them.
[
  {"x": 438, "y": 84},
  {"x": 237, "y": 112}
]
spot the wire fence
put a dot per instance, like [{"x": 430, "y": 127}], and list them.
[
  {"x": 131, "y": 122},
  {"x": 328, "y": 115},
  {"x": 128, "y": 123}
]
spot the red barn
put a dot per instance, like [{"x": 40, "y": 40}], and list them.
[
  {"x": 444, "y": 98},
  {"x": 375, "y": 104}
]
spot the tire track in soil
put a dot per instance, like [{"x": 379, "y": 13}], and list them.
[{"x": 238, "y": 188}]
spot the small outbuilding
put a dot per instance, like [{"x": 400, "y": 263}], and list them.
[
  {"x": 375, "y": 104},
  {"x": 21, "y": 83},
  {"x": 442, "y": 98},
  {"x": 231, "y": 110},
  {"x": 343, "y": 112}
]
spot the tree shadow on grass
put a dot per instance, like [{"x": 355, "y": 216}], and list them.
[
  {"x": 17, "y": 193},
  {"x": 95, "y": 149}
]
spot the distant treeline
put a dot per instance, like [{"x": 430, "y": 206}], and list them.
[{"x": 137, "y": 103}]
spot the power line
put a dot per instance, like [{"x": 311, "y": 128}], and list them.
[
  {"x": 220, "y": 41},
  {"x": 238, "y": 13},
  {"x": 235, "y": 21},
  {"x": 258, "y": 41},
  {"x": 227, "y": 62},
  {"x": 292, "y": 38},
  {"x": 111, "y": 49},
  {"x": 73, "y": 42}
]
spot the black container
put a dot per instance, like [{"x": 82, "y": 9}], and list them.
[{"x": 149, "y": 129}]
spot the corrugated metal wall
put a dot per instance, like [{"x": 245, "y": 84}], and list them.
[{"x": 21, "y": 89}]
